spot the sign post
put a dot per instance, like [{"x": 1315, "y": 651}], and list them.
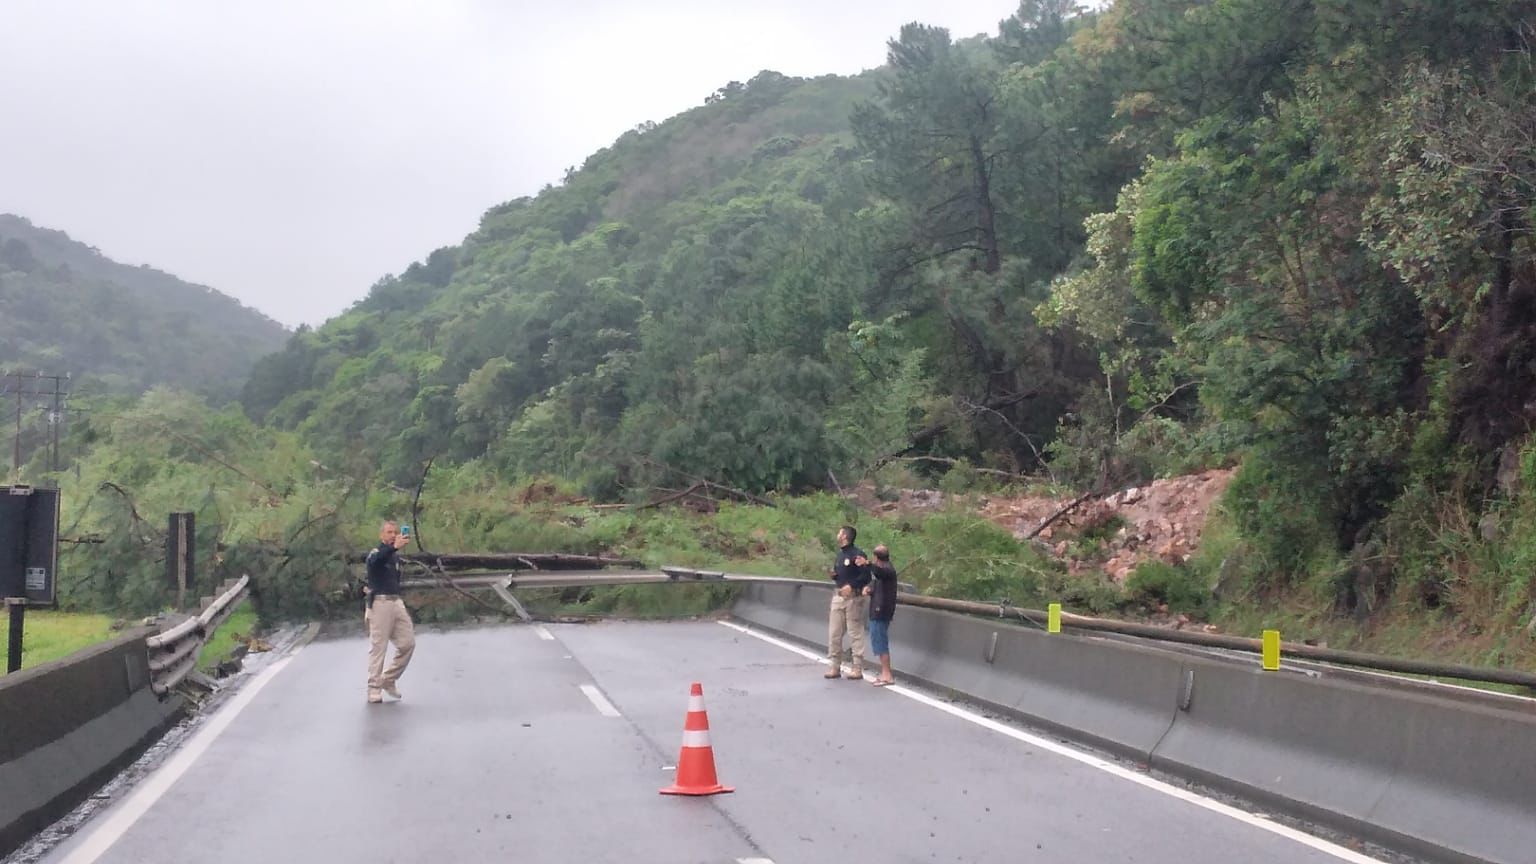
[
  {"x": 18, "y": 610},
  {"x": 29, "y": 557}
]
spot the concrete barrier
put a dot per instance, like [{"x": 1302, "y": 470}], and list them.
[
  {"x": 1411, "y": 771},
  {"x": 1119, "y": 697},
  {"x": 1417, "y": 772},
  {"x": 66, "y": 727}
]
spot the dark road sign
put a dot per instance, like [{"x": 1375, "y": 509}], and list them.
[{"x": 29, "y": 543}]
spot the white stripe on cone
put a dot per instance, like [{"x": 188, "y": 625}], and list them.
[
  {"x": 696, "y": 738},
  {"x": 695, "y": 704}
]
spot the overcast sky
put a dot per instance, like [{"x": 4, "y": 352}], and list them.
[{"x": 290, "y": 152}]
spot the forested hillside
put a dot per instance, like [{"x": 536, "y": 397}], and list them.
[
  {"x": 66, "y": 308},
  {"x": 1291, "y": 236},
  {"x": 691, "y": 271}
]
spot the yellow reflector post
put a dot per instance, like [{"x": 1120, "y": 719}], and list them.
[{"x": 1271, "y": 650}]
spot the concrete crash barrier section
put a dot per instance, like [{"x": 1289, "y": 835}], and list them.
[
  {"x": 1120, "y": 697},
  {"x": 1418, "y": 772},
  {"x": 67, "y": 727}
]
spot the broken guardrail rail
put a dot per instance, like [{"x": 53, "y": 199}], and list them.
[{"x": 173, "y": 652}]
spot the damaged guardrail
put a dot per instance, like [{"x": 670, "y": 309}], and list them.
[
  {"x": 173, "y": 652},
  {"x": 1434, "y": 670},
  {"x": 578, "y": 578}
]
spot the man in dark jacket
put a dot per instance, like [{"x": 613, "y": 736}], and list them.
[
  {"x": 850, "y": 608},
  {"x": 388, "y": 620},
  {"x": 882, "y": 608}
]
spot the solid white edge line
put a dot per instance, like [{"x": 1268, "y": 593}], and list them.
[
  {"x": 1090, "y": 760},
  {"x": 117, "y": 822},
  {"x": 544, "y": 633},
  {"x": 599, "y": 701}
]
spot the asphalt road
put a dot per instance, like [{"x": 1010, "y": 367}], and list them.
[{"x": 497, "y": 753}]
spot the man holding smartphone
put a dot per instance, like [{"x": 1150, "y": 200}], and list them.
[{"x": 388, "y": 620}]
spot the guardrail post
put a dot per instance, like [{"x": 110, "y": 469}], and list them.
[
  {"x": 1271, "y": 650},
  {"x": 180, "y": 541},
  {"x": 1053, "y": 618}
]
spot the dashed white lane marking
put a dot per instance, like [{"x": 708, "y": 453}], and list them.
[
  {"x": 754, "y": 861},
  {"x": 599, "y": 701},
  {"x": 1092, "y": 761},
  {"x": 157, "y": 784},
  {"x": 544, "y": 633}
]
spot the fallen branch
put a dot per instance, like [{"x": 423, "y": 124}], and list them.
[
  {"x": 761, "y": 502},
  {"x": 710, "y": 484},
  {"x": 944, "y": 460},
  {"x": 929, "y": 434},
  {"x": 416, "y": 501},
  {"x": 1073, "y": 505},
  {"x": 133, "y": 511},
  {"x": 447, "y": 580},
  {"x": 190, "y": 442},
  {"x": 322, "y": 516},
  {"x": 675, "y": 496}
]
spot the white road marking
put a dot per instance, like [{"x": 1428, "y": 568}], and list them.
[
  {"x": 754, "y": 861},
  {"x": 1092, "y": 761},
  {"x": 117, "y": 823},
  {"x": 599, "y": 701},
  {"x": 544, "y": 633}
]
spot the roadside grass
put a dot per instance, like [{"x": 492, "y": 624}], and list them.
[
  {"x": 50, "y": 635},
  {"x": 242, "y": 622}
]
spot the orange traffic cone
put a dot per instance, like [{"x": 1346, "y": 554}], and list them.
[{"x": 696, "y": 764}]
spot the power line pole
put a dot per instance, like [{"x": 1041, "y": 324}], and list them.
[
  {"x": 16, "y": 459},
  {"x": 55, "y": 418}
]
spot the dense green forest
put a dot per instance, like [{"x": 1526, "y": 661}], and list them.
[
  {"x": 1097, "y": 247},
  {"x": 66, "y": 308}
]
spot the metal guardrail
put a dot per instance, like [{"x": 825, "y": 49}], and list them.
[
  {"x": 173, "y": 652},
  {"x": 577, "y": 578},
  {"x": 908, "y": 596}
]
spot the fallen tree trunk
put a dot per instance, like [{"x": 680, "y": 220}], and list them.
[{"x": 508, "y": 561}]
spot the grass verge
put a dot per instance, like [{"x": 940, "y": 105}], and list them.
[
  {"x": 50, "y": 635},
  {"x": 241, "y": 623}
]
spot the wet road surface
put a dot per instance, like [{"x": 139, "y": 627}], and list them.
[{"x": 548, "y": 744}]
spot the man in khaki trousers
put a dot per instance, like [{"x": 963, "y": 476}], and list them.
[
  {"x": 388, "y": 620},
  {"x": 850, "y": 608}
]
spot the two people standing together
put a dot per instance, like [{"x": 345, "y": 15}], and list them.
[{"x": 864, "y": 596}]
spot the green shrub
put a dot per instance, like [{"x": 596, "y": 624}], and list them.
[
  {"x": 960, "y": 555},
  {"x": 1180, "y": 587}
]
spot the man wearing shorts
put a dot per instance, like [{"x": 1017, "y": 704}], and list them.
[{"x": 882, "y": 608}]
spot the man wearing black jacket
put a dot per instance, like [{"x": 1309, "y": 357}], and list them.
[
  {"x": 388, "y": 620},
  {"x": 850, "y": 608}
]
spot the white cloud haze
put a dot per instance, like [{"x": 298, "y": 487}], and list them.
[{"x": 290, "y": 153}]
